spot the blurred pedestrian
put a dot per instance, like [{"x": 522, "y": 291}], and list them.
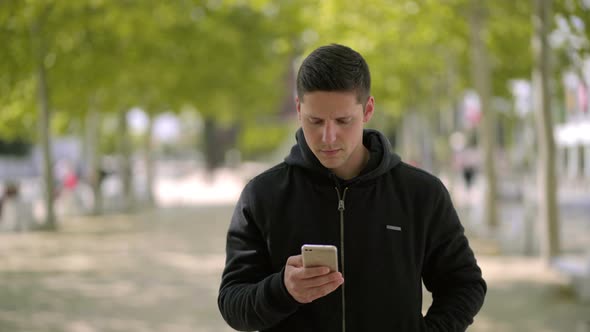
[
  {"x": 14, "y": 214},
  {"x": 394, "y": 225},
  {"x": 469, "y": 163},
  {"x": 10, "y": 192}
]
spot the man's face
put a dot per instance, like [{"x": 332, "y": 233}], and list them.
[{"x": 332, "y": 123}]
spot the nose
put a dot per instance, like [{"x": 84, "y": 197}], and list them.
[{"x": 329, "y": 133}]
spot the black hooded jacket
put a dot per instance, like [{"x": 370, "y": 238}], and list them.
[{"x": 399, "y": 229}]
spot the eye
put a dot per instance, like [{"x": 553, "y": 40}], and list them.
[
  {"x": 315, "y": 121},
  {"x": 344, "y": 120}
]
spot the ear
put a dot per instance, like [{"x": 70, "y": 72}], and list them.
[
  {"x": 298, "y": 108},
  {"x": 369, "y": 109}
]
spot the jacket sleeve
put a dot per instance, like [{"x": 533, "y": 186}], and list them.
[
  {"x": 252, "y": 296},
  {"x": 450, "y": 270}
]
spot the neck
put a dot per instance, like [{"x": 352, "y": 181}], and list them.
[{"x": 358, "y": 164}]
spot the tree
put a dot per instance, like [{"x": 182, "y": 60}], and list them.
[
  {"x": 546, "y": 176},
  {"x": 481, "y": 79}
]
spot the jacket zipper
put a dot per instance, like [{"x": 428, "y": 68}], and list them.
[{"x": 341, "y": 209}]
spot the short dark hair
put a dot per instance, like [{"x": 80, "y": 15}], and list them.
[{"x": 334, "y": 67}]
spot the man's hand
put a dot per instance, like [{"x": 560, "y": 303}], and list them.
[{"x": 308, "y": 284}]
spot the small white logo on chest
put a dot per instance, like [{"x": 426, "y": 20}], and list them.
[{"x": 393, "y": 228}]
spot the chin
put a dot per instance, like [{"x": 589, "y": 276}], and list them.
[{"x": 330, "y": 164}]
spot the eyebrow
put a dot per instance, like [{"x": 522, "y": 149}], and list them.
[{"x": 338, "y": 118}]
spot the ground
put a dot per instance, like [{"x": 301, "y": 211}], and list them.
[{"x": 159, "y": 270}]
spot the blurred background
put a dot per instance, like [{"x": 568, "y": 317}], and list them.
[{"x": 128, "y": 129}]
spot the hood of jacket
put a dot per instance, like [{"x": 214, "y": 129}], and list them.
[{"x": 381, "y": 158}]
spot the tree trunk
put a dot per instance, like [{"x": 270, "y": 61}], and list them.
[
  {"x": 409, "y": 146},
  {"x": 44, "y": 122},
  {"x": 480, "y": 70},
  {"x": 125, "y": 163},
  {"x": 214, "y": 148},
  {"x": 429, "y": 135},
  {"x": 93, "y": 124},
  {"x": 149, "y": 160},
  {"x": 546, "y": 177},
  {"x": 446, "y": 120}
]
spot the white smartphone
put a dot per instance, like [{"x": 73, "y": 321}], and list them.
[{"x": 320, "y": 255}]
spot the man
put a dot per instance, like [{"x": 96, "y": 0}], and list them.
[{"x": 394, "y": 225}]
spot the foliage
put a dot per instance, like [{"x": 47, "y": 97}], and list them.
[
  {"x": 260, "y": 139},
  {"x": 230, "y": 59}
]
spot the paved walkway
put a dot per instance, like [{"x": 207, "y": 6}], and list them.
[
  {"x": 156, "y": 271},
  {"x": 159, "y": 271}
]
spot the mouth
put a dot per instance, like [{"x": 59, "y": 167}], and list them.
[{"x": 330, "y": 152}]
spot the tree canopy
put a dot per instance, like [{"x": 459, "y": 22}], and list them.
[{"x": 230, "y": 60}]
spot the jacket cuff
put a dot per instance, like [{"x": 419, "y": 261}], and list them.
[{"x": 279, "y": 298}]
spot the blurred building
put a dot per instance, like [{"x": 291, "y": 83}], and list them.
[{"x": 572, "y": 130}]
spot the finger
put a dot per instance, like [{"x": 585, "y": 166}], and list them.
[
  {"x": 330, "y": 287},
  {"x": 312, "y": 272},
  {"x": 296, "y": 261},
  {"x": 318, "y": 292},
  {"x": 321, "y": 280}
]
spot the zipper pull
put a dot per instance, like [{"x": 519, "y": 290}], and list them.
[
  {"x": 341, "y": 198},
  {"x": 341, "y": 205}
]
